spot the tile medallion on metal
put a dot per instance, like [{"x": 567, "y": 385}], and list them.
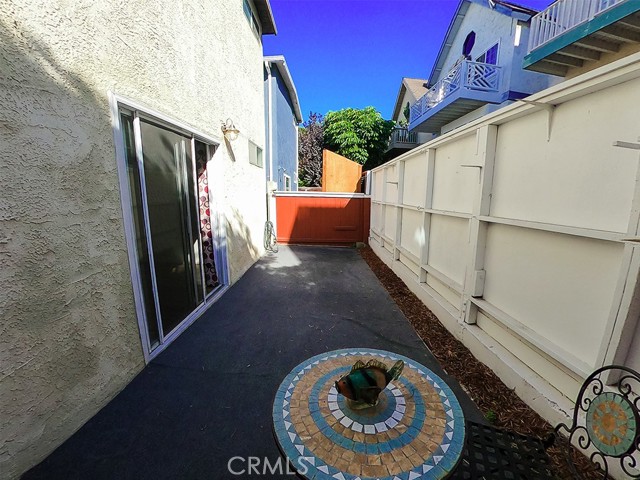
[{"x": 416, "y": 431}]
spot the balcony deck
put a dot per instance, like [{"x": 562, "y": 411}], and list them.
[
  {"x": 402, "y": 139},
  {"x": 469, "y": 85},
  {"x": 571, "y": 33}
]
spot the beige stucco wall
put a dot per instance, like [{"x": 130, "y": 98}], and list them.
[{"x": 69, "y": 338}]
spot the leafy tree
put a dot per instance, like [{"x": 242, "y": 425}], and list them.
[
  {"x": 359, "y": 135},
  {"x": 407, "y": 113},
  {"x": 310, "y": 143}
]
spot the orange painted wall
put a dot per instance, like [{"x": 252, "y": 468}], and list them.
[
  {"x": 339, "y": 174},
  {"x": 322, "y": 220}
]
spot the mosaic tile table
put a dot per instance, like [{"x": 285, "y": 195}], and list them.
[{"x": 415, "y": 431}]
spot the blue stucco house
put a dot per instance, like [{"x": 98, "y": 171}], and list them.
[
  {"x": 282, "y": 112},
  {"x": 479, "y": 66}
]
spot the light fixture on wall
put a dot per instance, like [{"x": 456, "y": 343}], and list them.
[{"x": 229, "y": 130}]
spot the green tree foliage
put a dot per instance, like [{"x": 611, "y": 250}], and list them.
[
  {"x": 359, "y": 135},
  {"x": 310, "y": 143},
  {"x": 407, "y": 112}
]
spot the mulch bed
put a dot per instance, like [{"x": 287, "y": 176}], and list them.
[{"x": 497, "y": 401}]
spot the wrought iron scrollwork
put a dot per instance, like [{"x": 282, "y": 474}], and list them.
[{"x": 606, "y": 422}]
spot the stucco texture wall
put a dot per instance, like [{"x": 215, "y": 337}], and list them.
[
  {"x": 490, "y": 27},
  {"x": 69, "y": 339},
  {"x": 493, "y": 27}
]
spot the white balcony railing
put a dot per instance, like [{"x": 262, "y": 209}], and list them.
[
  {"x": 564, "y": 15},
  {"x": 466, "y": 74},
  {"x": 403, "y": 135}
]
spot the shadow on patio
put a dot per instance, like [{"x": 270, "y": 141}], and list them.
[{"x": 209, "y": 396}]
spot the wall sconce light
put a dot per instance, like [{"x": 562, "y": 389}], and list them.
[{"x": 229, "y": 130}]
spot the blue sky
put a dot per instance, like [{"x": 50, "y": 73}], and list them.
[{"x": 354, "y": 53}]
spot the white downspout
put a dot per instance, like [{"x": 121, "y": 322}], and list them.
[
  {"x": 270, "y": 119},
  {"x": 268, "y": 191},
  {"x": 295, "y": 125}
]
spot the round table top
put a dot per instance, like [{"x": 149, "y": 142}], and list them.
[{"x": 415, "y": 431}]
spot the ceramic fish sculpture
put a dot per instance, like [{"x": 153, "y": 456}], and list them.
[{"x": 365, "y": 381}]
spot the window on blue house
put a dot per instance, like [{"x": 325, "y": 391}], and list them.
[
  {"x": 490, "y": 56},
  {"x": 468, "y": 44}
]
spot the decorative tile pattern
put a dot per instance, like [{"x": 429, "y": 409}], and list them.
[
  {"x": 415, "y": 432},
  {"x": 210, "y": 275},
  {"x": 611, "y": 423}
]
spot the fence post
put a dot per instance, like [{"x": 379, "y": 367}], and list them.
[
  {"x": 486, "y": 137},
  {"x": 383, "y": 207},
  {"x": 366, "y": 219},
  {"x": 625, "y": 306},
  {"x": 428, "y": 203},
  {"x": 399, "y": 211}
]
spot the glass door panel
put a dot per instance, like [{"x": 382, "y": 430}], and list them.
[
  {"x": 168, "y": 172},
  {"x": 193, "y": 225},
  {"x": 210, "y": 274},
  {"x": 142, "y": 248}
]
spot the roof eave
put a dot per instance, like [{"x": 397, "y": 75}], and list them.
[
  {"x": 454, "y": 26},
  {"x": 506, "y": 8},
  {"x": 265, "y": 14},
  {"x": 401, "y": 92},
  {"x": 281, "y": 64}
]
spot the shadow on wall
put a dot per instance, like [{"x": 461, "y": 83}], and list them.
[
  {"x": 69, "y": 339},
  {"x": 242, "y": 251}
]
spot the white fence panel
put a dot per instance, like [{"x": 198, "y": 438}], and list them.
[
  {"x": 391, "y": 185},
  {"x": 376, "y": 217},
  {"x": 576, "y": 178},
  {"x": 412, "y": 236},
  {"x": 553, "y": 371},
  {"x": 378, "y": 183},
  {"x": 455, "y": 186},
  {"x": 390, "y": 219},
  {"x": 448, "y": 244},
  {"x": 451, "y": 296},
  {"x": 633, "y": 358},
  {"x": 415, "y": 178},
  {"x": 410, "y": 262},
  {"x": 559, "y": 286},
  {"x": 391, "y": 191},
  {"x": 521, "y": 231}
]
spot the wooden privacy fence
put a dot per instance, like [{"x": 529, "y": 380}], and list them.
[
  {"x": 322, "y": 218},
  {"x": 512, "y": 230}
]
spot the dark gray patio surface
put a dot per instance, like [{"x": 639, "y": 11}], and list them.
[{"x": 208, "y": 397}]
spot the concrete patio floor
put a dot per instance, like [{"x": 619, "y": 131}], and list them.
[{"x": 208, "y": 397}]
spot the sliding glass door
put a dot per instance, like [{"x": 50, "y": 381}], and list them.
[
  {"x": 175, "y": 244},
  {"x": 172, "y": 222}
]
